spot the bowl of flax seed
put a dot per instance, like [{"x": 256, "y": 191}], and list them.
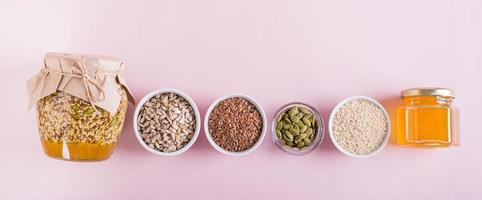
[{"x": 235, "y": 124}]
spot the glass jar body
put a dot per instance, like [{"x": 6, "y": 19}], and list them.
[
  {"x": 428, "y": 121},
  {"x": 72, "y": 129}
]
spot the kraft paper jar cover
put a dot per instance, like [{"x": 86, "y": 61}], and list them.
[{"x": 93, "y": 78}]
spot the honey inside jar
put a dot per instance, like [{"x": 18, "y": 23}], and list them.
[{"x": 427, "y": 118}]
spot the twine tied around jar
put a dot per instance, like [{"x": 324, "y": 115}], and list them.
[
  {"x": 90, "y": 84},
  {"x": 95, "y": 79}
]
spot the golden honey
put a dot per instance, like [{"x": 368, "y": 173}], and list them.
[
  {"x": 78, "y": 152},
  {"x": 427, "y": 118}
]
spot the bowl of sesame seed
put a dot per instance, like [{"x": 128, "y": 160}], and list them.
[{"x": 359, "y": 126}]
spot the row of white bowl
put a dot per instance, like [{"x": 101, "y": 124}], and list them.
[{"x": 263, "y": 131}]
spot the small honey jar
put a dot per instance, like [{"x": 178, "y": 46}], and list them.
[{"x": 427, "y": 118}]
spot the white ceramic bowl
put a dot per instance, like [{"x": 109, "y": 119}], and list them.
[
  {"x": 219, "y": 148},
  {"x": 339, "y": 147},
  {"x": 196, "y": 114}
]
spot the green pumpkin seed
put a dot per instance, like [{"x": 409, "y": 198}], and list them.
[
  {"x": 300, "y": 125},
  {"x": 295, "y": 119},
  {"x": 302, "y": 136},
  {"x": 282, "y": 116},
  {"x": 309, "y": 131},
  {"x": 279, "y": 135},
  {"x": 293, "y": 131},
  {"x": 312, "y": 137},
  {"x": 279, "y": 125},
  {"x": 287, "y": 119},
  {"x": 306, "y": 121},
  {"x": 76, "y": 116},
  {"x": 293, "y": 111},
  {"x": 289, "y": 135},
  {"x": 300, "y": 115},
  {"x": 296, "y": 127},
  {"x": 287, "y": 126},
  {"x": 304, "y": 110},
  {"x": 89, "y": 111},
  {"x": 287, "y": 138},
  {"x": 313, "y": 121}
]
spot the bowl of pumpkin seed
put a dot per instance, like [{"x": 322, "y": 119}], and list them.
[{"x": 297, "y": 128}]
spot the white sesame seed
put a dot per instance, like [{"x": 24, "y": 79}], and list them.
[{"x": 360, "y": 126}]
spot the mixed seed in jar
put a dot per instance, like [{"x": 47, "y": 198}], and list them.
[
  {"x": 90, "y": 133},
  {"x": 297, "y": 127}
]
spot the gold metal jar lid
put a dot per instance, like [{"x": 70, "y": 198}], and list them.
[{"x": 428, "y": 91}]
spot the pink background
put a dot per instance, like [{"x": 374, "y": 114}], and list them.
[{"x": 208, "y": 48}]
